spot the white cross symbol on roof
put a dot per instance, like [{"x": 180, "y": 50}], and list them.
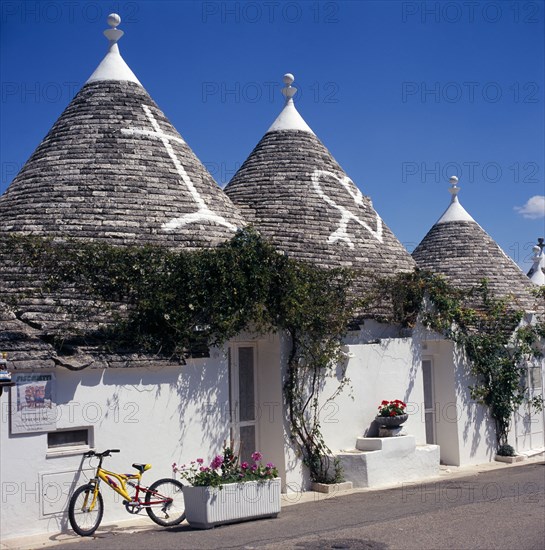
[{"x": 203, "y": 212}]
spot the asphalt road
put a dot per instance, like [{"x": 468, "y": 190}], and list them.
[{"x": 502, "y": 509}]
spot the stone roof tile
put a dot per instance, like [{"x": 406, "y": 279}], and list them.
[
  {"x": 127, "y": 180},
  {"x": 296, "y": 194},
  {"x": 465, "y": 254},
  {"x": 113, "y": 169}
]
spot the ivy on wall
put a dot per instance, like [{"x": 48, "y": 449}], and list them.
[
  {"x": 166, "y": 302},
  {"x": 498, "y": 346}
]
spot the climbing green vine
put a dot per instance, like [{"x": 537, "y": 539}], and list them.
[
  {"x": 176, "y": 303},
  {"x": 499, "y": 348}
]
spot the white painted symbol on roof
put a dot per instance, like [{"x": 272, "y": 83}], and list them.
[
  {"x": 150, "y": 133},
  {"x": 203, "y": 213},
  {"x": 341, "y": 233}
]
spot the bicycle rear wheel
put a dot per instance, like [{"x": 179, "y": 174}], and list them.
[
  {"x": 165, "y": 502},
  {"x": 83, "y": 520}
]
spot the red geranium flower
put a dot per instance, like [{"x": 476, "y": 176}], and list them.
[{"x": 396, "y": 407}]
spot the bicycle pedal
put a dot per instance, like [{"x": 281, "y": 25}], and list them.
[{"x": 125, "y": 502}]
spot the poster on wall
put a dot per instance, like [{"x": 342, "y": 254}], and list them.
[{"x": 33, "y": 403}]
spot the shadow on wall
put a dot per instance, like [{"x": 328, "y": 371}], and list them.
[
  {"x": 173, "y": 409},
  {"x": 478, "y": 425},
  {"x": 296, "y": 478},
  {"x": 204, "y": 382},
  {"x": 418, "y": 336},
  {"x": 396, "y": 368},
  {"x": 80, "y": 478},
  {"x": 199, "y": 388}
]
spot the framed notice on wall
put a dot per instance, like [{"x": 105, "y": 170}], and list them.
[{"x": 33, "y": 403}]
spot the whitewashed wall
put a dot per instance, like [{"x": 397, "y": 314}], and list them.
[
  {"x": 464, "y": 429},
  {"x": 387, "y": 370},
  {"x": 176, "y": 414},
  {"x": 296, "y": 478},
  {"x": 160, "y": 416},
  {"x": 380, "y": 365}
]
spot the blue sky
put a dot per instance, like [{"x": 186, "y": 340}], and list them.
[{"x": 403, "y": 93}]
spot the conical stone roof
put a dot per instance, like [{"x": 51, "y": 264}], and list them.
[
  {"x": 113, "y": 167},
  {"x": 458, "y": 248},
  {"x": 296, "y": 194}
]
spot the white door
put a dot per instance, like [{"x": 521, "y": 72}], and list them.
[
  {"x": 529, "y": 425},
  {"x": 243, "y": 384},
  {"x": 429, "y": 400}
]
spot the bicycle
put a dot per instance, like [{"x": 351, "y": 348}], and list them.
[{"x": 163, "y": 500}]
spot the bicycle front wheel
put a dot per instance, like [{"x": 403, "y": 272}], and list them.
[
  {"x": 83, "y": 519},
  {"x": 165, "y": 502}
]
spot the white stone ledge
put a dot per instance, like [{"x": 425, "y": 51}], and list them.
[{"x": 386, "y": 461}]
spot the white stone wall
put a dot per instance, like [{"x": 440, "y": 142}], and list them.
[
  {"x": 389, "y": 369},
  {"x": 464, "y": 430},
  {"x": 160, "y": 416},
  {"x": 176, "y": 414},
  {"x": 380, "y": 366},
  {"x": 296, "y": 474}
]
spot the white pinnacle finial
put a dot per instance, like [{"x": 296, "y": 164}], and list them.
[
  {"x": 113, "y": 67},
  {"x": 455, "y": 212},
  {"x": 113, "y": 34},
  {"x": 454, "y": 190},
  {"x": 538, "y": 277},
  {"x": 114, "y": 19},
  {"x": 288, "y": 91},
  {"x": 289, "y": 118}
]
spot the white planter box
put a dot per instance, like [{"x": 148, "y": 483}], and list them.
[
  {"x": 331, "y": 488},
  {"x": 206, "y": 507},
  {"x": 509, "y": 459}
]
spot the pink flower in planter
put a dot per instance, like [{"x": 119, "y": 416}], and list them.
[
  {"x": 225, "y": 468},
  {"x": 217, "y": 462}
]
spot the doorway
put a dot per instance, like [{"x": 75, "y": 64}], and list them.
[
  {"x": 242, "y": 394},
  {"x": 529, "y": 423},
  {"x": 429, "y": 401}
]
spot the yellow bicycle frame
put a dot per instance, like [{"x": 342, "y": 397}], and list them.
[{"x": 120, "y": 488}]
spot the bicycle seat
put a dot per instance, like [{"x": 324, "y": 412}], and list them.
[{"x": 142, "y": 467}]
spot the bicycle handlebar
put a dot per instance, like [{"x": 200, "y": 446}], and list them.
[{"x": 101, "y": 455}]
